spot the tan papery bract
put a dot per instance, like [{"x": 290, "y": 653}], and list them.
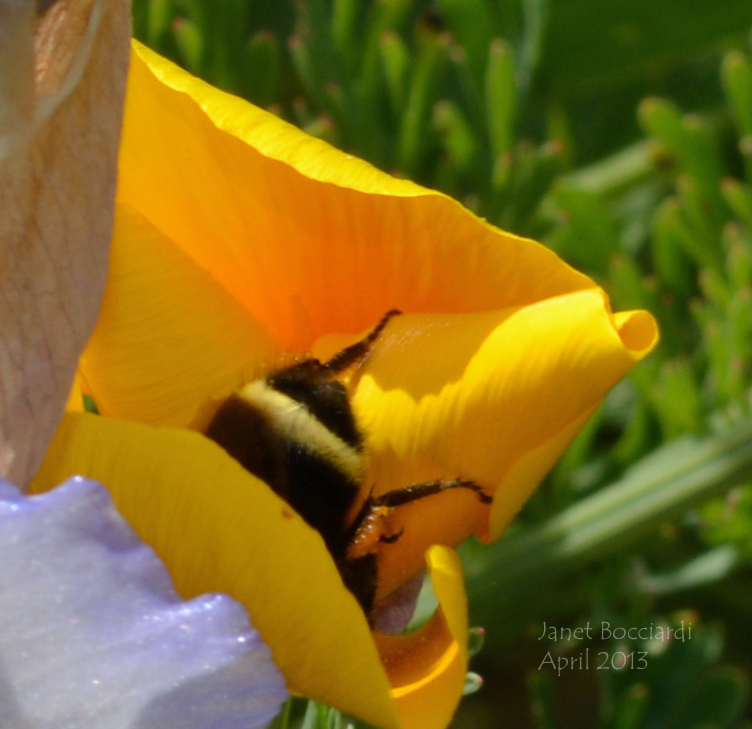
[{"x": 62, "y": 85}]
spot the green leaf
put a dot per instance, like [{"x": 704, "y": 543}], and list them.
[
  {"x": 536, "y": 14},
  {"x": 589, "y": 237},
  {"x": 344, "y": 19},
  {"x": 535, "y": 168},
  {"x": 542, "y": 704},
  {"x": 673, "y": 251},
  {"x": 672, "y": 224},
  {"x": 501, "y": 97},
  {"x": 412, "y": 141},
  {"x": 736, "y": 74},
  {"x": 738, "y": 246},
  {"x": 396, "y": 61},
  {"x": 475, "y": 26},
  {"x": 159, "y": 14},
  {"x": 601, "y": 44},
  {"x": 457, "y": 136},
  {"x": 738, "y": 196},
  {"x": 190, "y": 40},
  {"x": 264, "y": 61},
  {"x": 632, "y": 707},
  {"x": 721, "y": 697},
  {"x": 677, "y": 399},
  {"x": 709, "y": 567},
  {"x": 616, "y": 173},
  {"x": 700, "y": 156}
]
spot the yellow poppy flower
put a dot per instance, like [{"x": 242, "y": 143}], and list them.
[{"x": 238, "y": 240}]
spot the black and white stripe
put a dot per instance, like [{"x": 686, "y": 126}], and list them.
[{"x": 295, "y": 430}]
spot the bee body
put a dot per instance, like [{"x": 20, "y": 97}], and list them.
[{"x": 295, "y": 430}]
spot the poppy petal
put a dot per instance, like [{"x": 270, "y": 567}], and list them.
[
  {"x": 219, "y": 529},
  {"x": 307, "y": 238},
  {"x": 312, "y": 243},
  {"x": 168, "y": 336},
  {"x": 491, "y": 397}
]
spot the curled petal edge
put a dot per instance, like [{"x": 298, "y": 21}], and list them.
[{"x": 427, "y": 668}]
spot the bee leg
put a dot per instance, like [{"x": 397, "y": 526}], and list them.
[
  {"x": 369, "y": 531},
  {"x": 423, "y": 490},
  {"x": 369, "y": 528},
  {"x": 356, "y": 352}
]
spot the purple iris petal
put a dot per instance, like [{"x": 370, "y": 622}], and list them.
[{"x": 93, "y": 635}]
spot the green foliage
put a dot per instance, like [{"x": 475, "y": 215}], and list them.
[{"x": 619, "y": 134}]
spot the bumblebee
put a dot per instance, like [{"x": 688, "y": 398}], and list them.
[{"x": 296, "y": 431}]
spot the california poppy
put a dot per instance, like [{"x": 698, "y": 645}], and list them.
[{"x": 240, "y": 240}]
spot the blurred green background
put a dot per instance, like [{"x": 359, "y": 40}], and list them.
[{"x": 619, "y": 134}]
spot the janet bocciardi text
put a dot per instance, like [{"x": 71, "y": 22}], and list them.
[{"x": 607, "y": 631}]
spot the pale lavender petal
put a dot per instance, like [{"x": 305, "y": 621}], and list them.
[{"x": 93, "y": 635}]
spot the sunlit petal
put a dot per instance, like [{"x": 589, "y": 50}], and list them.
[{"x": 473, "y": 397}]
